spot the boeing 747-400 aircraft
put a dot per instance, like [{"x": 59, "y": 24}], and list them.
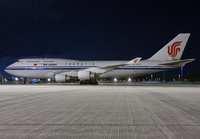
[{"x": 88, "y": 72}]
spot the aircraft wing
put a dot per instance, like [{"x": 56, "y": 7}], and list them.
[{"x": 103, "y": 69}]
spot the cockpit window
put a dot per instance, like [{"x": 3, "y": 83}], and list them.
[{"x": 18, "y": 61}]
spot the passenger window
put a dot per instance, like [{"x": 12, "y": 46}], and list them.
[
  {"x": 69, "y": 63},
  {"x": 81, "y": 63},
  {"x": 77, "y": 63}
]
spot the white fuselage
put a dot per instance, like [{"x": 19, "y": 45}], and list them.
[{"x": 48, "y": 68}]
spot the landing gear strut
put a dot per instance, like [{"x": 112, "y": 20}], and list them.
[{"x": 91, "y": 82}]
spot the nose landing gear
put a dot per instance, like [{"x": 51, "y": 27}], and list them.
[{"x": 23, "y": 80}]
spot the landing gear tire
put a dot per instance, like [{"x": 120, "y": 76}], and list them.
[
  {"x": 95, "y": 82},
  {"x": 85, "y": 82},
  {"x": 81, "y": 82}
]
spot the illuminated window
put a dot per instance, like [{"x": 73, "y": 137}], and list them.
[
  {"x": 48, "y": 61},
  {"x": 32, "y": 61}
]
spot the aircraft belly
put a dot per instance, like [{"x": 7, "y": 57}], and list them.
[{"x": 31, "y": 73}]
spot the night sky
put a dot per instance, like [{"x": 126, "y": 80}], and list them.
[{"x": 95, "y": 29}]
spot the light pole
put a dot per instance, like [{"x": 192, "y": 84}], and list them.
[
  {"x": 179, "y": 77},
  {"x": 181, "y": 73},
  {"x": 163, "y": 75}
]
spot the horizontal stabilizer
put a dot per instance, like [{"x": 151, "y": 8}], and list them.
[{"x": 179, "y": 63}]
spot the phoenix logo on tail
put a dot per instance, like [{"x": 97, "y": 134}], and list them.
[{"x": 173, "y": 49}]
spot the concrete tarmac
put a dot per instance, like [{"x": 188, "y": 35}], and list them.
[{"x": 104, "y": 111}]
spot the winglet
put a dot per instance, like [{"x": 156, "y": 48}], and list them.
[{"x": 134, "y": 61}]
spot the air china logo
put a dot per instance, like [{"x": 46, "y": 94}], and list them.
[
  {"x": 174, "y": 49},
  {"x": 135, "y": 61}
]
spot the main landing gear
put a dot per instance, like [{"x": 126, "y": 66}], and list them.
[
  {"x": 23, "y": 80},
  {"x": 91, "y": 82}
]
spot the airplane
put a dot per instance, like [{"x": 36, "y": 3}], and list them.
[{"x": 89, "y": 72}]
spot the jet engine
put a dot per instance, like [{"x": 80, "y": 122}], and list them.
[
  {"x": 61, "y": 78},
  {"x": 85, "y": 75}
]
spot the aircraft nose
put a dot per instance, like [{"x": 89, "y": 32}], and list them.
[{"x": 7, "y": 69}]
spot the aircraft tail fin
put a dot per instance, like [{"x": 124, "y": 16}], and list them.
[{"x": 172, "y": 50}]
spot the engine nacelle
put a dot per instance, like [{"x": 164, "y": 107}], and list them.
[
  {"x": 85, "y": 75},
  {"x": 61, "y": 78}
]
